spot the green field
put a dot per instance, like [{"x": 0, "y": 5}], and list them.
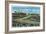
[{"x": 23, "y": 20}]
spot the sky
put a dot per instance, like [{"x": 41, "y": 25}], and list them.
[{"x": 25, "y": 9}]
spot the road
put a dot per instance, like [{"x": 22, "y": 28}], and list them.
[
  {"x": 25, "y": 17},
  {"x": 21, "y": 20}
]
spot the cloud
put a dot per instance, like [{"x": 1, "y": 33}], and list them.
[{"x": 26, "y": 9}]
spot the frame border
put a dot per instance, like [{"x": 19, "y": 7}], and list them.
[{"x": 7, "y": 16}]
